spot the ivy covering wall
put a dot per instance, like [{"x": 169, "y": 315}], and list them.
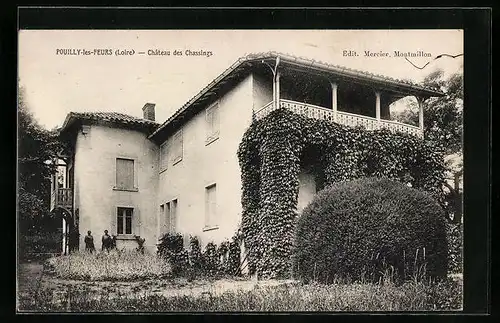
[{"x": 275, "y": 149}]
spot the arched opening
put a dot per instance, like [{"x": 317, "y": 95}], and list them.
[{"x": 69, "y": 229}]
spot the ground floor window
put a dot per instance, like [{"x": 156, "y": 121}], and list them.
[
  {"x": 211, "y": 206},
  {"x": 170, "y": 213},
  {"x": 124, "y": 220}
]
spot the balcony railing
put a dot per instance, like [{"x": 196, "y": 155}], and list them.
[
  {"x": 345, "y": 118},
  {"x": 61, "y": 197}
]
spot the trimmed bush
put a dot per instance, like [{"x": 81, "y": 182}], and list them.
[{"x": 363, "y": 228}]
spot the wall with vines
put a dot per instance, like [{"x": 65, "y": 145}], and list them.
[{"x": 275, "y": 149}]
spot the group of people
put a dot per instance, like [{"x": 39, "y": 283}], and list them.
[{"x": 107, "y": 242}]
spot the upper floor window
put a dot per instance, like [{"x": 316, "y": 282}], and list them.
[
  {"x": 177, "y": 149},
  {"x": 212, "y": 118},
  {"x": 124, "y": 173},
  {"x": 164, "y": 152}
]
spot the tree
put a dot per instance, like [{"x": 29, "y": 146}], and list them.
[
  {"x": 36, "y": 148},
  {"x": 443, "y": 124},
  {"x": 443, "y": 120}
]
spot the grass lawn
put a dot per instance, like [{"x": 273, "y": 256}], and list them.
[{"x": 44, "y": 293}]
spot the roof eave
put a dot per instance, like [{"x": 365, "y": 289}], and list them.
[{"x": 411, "y": 89}]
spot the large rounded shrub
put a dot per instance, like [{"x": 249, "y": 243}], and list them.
[{"x": 366, "y": 227}]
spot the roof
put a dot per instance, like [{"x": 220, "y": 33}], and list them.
[
  {"x": 246, "y": 62},
  {"x": 113, "y": 117}
]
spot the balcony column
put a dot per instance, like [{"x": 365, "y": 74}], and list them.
[
  {"x": 274, "y": 91},
  {"x": 334, "y": 100},
  {"x": 277, "y": 86},
  {"x": 377, "y": 107}
]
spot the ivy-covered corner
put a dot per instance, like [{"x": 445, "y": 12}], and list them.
[{"x": 275, "y": 149}]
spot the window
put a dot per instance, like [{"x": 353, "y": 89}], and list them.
[
  {"x": 164, "y": 155},
  {"x": 212, "y": 117},
  {"x": 124, "y": 220},
  {"x": 159, "y": 220},
  {"x": 124, "y": 173},
  {"x": 171, "y": 216},
  {"x": 210, "y": 206},
  {"x": 177, "y": 147}
]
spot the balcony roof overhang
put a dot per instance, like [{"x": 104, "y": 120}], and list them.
[{"x": 244, "y": 64}]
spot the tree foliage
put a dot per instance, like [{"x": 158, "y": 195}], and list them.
[
  {"x": 36, "y": 147},
  {"x": 443, "y": 124}
]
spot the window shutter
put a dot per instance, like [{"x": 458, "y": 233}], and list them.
[
  {"x": 166, "y": 217},
  {"x": 173, "y": 216},
  {"x": 213, "y": 207},
  {"x": 124, "y": 173},
  {"x": 210, "y": 123},
  {"x": 215, "y": 121},
  {"x": 212, "y": 118},
  {"x": 164, "y": 153},
  {"x": 136, "y": 222},
  {"x": 177, "y": 146},
  {"x": 210, "y": 206},
  {"x": 113, "y": 225}
]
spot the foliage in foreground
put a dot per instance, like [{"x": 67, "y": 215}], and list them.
[
  {"x": 455, "y": 238},
  {"x": 411, "y": 296},
  {"x": 361, "y": 227},
  {"x": 115, "y": 265},
  {"x": 275, "y": 149}
]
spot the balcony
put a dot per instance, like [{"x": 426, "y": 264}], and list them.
[
  {"x": 344, "y": 118},
  {"x": 61, "y": 197}
]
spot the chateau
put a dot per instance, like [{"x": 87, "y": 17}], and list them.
[{"x": 137, "y": 177}]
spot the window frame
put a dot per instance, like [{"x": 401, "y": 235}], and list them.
[
  {"x": 163, "y": 164},
  {"x": 123, "y": 221},
  {"x": 210, "y": 222},
  {"x": 135, "y": 187},
  {"x": 173, "y": 204},
  {"x": 212, "y": 135},
  {"x": 177, "y": 159}
]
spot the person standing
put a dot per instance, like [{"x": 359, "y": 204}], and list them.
[
  {"x": 106, "y": 241},
  {"x": 89, "y": 242}
]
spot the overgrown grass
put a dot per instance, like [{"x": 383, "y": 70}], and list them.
[
  {"x": 115, "y": 265},
  {"x": 411, "y": 296}
]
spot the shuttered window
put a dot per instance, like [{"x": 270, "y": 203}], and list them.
[
  {"x": 212, "y": 118},
  {"x": 210, "y": 206},
  {"x": 124, "y": 173},
  {"x": 177, "y": 147},
  {"x": 164, "y": 152},
  {"x": 171, "y": 216}
]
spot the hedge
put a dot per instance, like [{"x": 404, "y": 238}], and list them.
[
  {"x": 274, "y": 149},
  {"x": 213, "y": 260},
  {"x": 361, "y": 228}
]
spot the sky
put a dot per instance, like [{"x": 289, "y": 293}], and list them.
[{"x": 57, "y": 84}]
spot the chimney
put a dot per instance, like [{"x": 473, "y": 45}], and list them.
[{"x": 149, "y": 111}]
